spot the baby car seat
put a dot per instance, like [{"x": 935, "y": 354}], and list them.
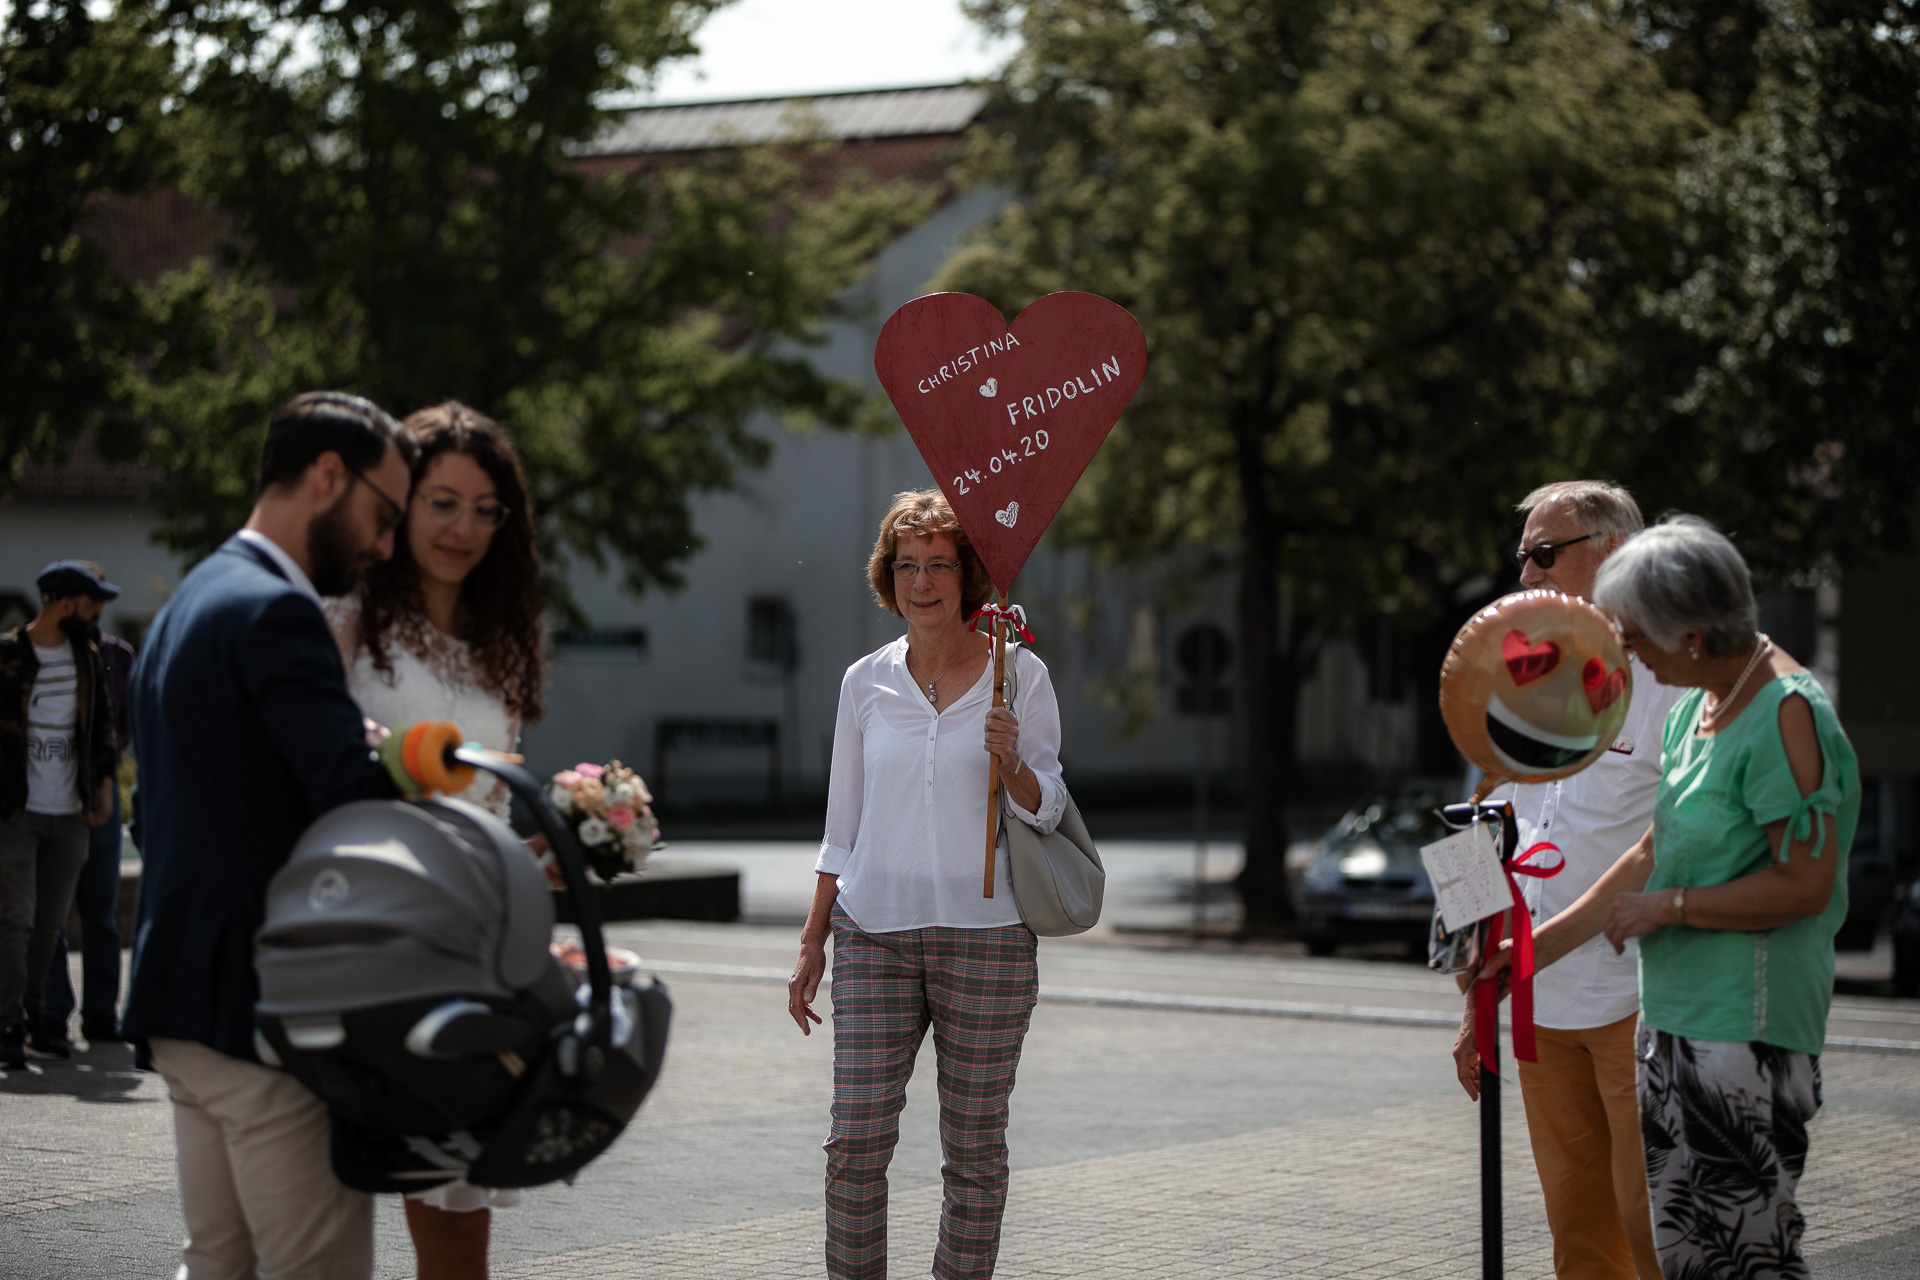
[{"x": 405, "y": 979}]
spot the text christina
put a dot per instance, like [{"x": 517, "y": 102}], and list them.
[{"x": 965, "y": 361}]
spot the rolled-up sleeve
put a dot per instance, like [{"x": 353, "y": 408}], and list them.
[
  {"x": 1039, "y": 716},
  {"x": 846, "y": 784}
]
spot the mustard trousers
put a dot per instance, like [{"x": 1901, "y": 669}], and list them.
[{"x": 1583, "y": 1117}]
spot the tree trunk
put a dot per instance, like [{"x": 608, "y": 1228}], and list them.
[{"x": 1268, "y": 689}]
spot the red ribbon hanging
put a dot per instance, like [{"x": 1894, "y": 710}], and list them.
[
  {"x": 1486, "y": 994},
  {"x": 1013, "y": 615}
]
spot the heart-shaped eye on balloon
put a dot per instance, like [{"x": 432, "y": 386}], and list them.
[
  {"x": 1526, "y": 660},
  {"x": 1535, "y": 687},
  {"x": 1603, "y": 689}
]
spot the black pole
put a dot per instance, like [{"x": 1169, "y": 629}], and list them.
[
  {"x": 1490, "y": 1229},
  {"x": 1492, "y": 1267}
]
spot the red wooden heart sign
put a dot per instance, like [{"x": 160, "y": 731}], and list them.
[{"x": 1008, "y": 416}]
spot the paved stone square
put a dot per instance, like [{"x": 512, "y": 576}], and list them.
[{"x": 1148, "y": 1140}]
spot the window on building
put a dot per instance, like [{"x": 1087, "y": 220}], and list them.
[{"x": 773, "y": 646}]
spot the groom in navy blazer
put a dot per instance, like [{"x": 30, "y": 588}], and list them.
[{"x": 245, "y": 733}]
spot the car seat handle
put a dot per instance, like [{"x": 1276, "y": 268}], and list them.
[{"x": 573, "y": 868}]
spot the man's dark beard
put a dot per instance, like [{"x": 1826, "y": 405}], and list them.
[
  {"x": 77, "y": 628},
  {"x": 337, "y": 563}
]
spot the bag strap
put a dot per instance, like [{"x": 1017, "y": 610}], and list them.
[{"x": 1013, "y": 688}]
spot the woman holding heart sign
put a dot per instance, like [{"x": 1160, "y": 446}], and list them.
[{"x": 916, "y": 945}]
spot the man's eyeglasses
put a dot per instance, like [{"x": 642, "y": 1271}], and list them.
[
  {"x": 1543, "y": 554},
  {"x": 445, "y": 509},
  {"x": 938, "y": 570},
  {"x": 390, "y": 520}
]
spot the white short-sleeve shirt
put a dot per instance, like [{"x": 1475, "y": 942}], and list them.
[
  {"x": 907, "y": 799},
  {"x": 1593, "y": 817}
]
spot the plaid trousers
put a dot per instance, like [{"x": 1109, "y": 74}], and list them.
[{"x": 976, "y": 988}]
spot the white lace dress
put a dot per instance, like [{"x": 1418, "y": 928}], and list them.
[{"x": 434, "y": 678}]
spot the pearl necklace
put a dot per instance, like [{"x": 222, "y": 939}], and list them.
[{"x": 1709, "y": 715}]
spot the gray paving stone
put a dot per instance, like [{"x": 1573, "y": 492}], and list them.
[{"x": 1145, "y": 1143}]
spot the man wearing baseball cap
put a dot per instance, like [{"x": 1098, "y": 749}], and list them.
[{"x": 57, "y": 760}]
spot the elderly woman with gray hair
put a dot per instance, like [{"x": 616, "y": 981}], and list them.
[{"x": 1735, "y": 894}]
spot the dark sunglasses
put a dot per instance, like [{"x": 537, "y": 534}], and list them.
[{"x": 1543, "y": 554}]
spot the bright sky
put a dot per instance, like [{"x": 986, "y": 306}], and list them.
[{"x": 761, "y": 48}]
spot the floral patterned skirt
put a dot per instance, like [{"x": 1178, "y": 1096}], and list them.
[{"x": 1725, "y": 1129}]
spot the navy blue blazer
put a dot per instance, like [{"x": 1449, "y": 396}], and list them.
[{"x": 245, "y": 733}]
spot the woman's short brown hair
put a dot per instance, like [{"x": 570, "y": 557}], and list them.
[{"x": 921, "y": 513}]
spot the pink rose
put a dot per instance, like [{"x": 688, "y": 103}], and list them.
[
  {"x": 621, "y": 816},
  {"x": 568, "y": 778},
  {"x": 588, "y": 770}
]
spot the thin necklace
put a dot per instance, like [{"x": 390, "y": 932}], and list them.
[
  {"x": 932, "y": 698},
  {"x": 1760, "y": 651}
]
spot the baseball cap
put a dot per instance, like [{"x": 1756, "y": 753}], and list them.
[{"x": 64, "y": 578}]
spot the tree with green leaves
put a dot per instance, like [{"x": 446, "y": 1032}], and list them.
[
  {"x": 1785, "y": 396},
  {"x": 413, "y": 219},
  {"x": 81, "y": 98},
  {"x": 1380, "y": 251}
]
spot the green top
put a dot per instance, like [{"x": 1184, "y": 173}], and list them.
[{"x": 1709, "y": 826}]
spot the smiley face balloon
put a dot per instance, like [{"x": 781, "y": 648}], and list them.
[{"x": 1535, "y": 687}]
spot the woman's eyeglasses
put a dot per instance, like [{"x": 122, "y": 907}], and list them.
[
  {"x": 445, "y": 509},
  {"x": 938, "y": 570},
  {"x": 1543, "y": 554}
]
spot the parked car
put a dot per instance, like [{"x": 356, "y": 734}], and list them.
[
  {"x": 1873, "y": 876},
  {"x": 1365, "y": 882}
]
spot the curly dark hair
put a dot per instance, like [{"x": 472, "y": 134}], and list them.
[{"x": 500, "y": 599}]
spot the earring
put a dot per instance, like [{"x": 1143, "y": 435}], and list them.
[{"x": 1693, "y": 651}]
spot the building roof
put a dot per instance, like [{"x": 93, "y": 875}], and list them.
[
  {"x": 83, "y": 476},
  {"x": 878, "y": 113}
]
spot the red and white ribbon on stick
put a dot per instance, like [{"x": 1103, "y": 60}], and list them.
[
  {"x": 1013, "y": 615},
  {"x": 1486, "y": 994}
]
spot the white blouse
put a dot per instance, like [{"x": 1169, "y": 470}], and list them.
[
  {"x": 434, "y": 678},
  {"x": 907, "y": 798}
]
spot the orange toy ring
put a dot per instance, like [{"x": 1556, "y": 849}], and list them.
[
  {"x": 410, "y": 751},
  {"x": 432, "y": 768}
]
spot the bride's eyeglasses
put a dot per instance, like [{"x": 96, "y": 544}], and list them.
[{"x": 442, "y": 508}]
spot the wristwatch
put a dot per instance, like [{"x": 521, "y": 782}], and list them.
[{"x": 1680, "y": 904}]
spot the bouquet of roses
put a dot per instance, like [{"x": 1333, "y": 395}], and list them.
[{"x": 607, "y": 807}]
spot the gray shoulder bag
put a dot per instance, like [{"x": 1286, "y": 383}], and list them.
[{"x": 1058, "y": 882}]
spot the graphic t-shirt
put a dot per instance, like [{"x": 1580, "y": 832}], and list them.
[{"x": 53, "y": 759}]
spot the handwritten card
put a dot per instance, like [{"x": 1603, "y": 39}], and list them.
[{"x": 1466, "y": 876}]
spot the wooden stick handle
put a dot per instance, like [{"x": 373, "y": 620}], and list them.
[{"x": 993, "y": 762}]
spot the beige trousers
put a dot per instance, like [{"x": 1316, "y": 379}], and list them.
[
  {"x": 256, "y": 1184},
  {"x": 1583, "y": 1116}
]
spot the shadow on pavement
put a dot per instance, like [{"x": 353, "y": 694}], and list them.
[{"x": 105, "y": 1074}]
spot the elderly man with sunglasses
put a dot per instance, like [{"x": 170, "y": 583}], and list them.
[{"x": 1582, "y": 1113}]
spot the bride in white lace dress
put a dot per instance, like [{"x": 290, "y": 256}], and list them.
[{"x": 450, "y": 629}]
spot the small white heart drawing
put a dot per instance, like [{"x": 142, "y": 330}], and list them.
[
  {"x": 1008, "y": 516},
  {"x": 990, "y": 386}
]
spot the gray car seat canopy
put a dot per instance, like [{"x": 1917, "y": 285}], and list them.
[
  {"x": 384, "y": 901},
  {"x": 405, "y": 978}
]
